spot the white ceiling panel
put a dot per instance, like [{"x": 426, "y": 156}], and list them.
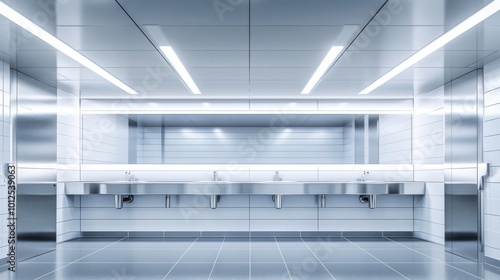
[
  {"x": 392, "y": 89},
  {"x": 294, "y": 38},
  {"x": 44, "y": 59},
  {"x": 372, "y": 58},
  {"x": 105, "y": 38},
  {"x": 309, "y": 59},
  {"x": 313, "y": 12},
  {"x": 223, "y": 59},
  {"x": 91, "y": 12},
  {"x": 359, "y": 74},
  {"x": 292, "y": 88},
  {"x": 428, "y": 12},
  {"x": 281, "y": 74},
  {"x": 452, "y": 58},
  {"x": 126, "y": 58},
  {"x": 207, "y": 38},
  {"x": 270, "y": 55},
  {"x": 219, "y": 74},
  {"x": 102, "y": 89},
  {"x": 187, "y": 12},
  {"x": 158, "y": 73},
  {"x": 407, "y": 38},
  {"x": 226, "y": 88}
]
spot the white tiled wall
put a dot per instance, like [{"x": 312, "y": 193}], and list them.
[
  {"x": 349, "y": 146},
  {"x": 104, "y": 139},
  {"x": 428, "y": 157},
  {"x": 4, "y": 151},
  {"x": 241, "y": 145},
  {"x": 244, "y": 213},
  {"x": 68, "y": 163},
  {"x": 395, "y": 139},
  {"x": 491, "y": 146}
]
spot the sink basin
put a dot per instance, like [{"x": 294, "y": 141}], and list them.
[{"x": 246, "y": 187}]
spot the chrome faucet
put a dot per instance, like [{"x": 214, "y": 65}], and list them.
[
  {"x": 277, "y": 176},
  {"x": 216, "y": 176},
  {"x": 362, "y": 178},
  {"x": 129, "y": 176}
]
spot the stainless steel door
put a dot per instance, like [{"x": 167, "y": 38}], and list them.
[
  {"x": 463, "y": 154},
  {"x": 462, "y": 210},
  {"x": 36, "y": 220}
]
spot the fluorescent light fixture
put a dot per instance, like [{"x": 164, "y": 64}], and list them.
[
  {"x": 29, "y": 26},
  {"x": 179, "y": 68},
  {"x": 449, "y": 36},
  {"x": 322, "y": 68}
]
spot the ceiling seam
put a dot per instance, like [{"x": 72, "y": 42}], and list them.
[
  {"x": 147, "y": 38},
  {"x": 356, "y": 37}
]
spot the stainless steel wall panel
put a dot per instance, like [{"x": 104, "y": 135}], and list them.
[
  {"x": 463, "y": 142},
  {"x": 35, "y": 152}
]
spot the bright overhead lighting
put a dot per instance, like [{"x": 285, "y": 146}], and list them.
[
  {"x": 449, "y": 36},
  {"x": 322, "y": 68},
  {"x": 29, "y": 26},
  {"x": 179, "y": 68}
]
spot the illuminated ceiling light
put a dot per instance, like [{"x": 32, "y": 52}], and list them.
[
  {"x": 449, "y": 36},
  {"x": 179, "y": 68},
  {"x": 158, "y": 37},
  {"x": 322, "y": 68},
  {"x": 59, "y": 45},
  {"x": 344, "y": 39}
]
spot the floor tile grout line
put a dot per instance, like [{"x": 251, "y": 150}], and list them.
[
  {"x": 279, "y": 249},
  {"x": 216, "y": 258},
  {"x": 64, "y": 266},
  {"x": 172, "y": 268},
  {"x": 376, "y": 258},
  {"x": 436, "y": 260},
  {"x": 318, "y": 259}
]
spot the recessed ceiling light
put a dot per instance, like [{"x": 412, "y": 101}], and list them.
[
  {"x": 179, "y": 68},
  {"x": 156, "y": 33},
  {"x": 322, "y": 68},
  {"x": 449, "y": 36},
  {"x": 343, "y": 39},
  {"x": 59, "y": 45}
]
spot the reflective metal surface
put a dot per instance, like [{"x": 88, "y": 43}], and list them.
[
  {"x": 35, "y": 152},
  {"x": 462, "y": 210},
  {"x": 264, "y": 188},
  {"x": 463, "y": 205},
  {"x": 36, "y": 216}
]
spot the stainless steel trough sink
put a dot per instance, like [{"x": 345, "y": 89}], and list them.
[{"x": 233, "y": 188}]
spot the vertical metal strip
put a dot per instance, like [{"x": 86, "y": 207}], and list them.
[{"x": 480, "y": 117}]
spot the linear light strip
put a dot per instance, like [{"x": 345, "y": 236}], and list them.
[
  {"x": 31, "y": 27},
  {"x": 179, "y": 68},
  {"x": 449, "y": 36},
  {"x": 322, "y": 68}
]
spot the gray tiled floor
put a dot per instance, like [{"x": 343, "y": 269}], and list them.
[{"x": 250, "y": 258}]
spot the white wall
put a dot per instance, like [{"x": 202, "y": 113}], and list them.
[
  {"x": 4, "y": 151},
  {"x": 105, "y": 139},
  {"x": 492, "y": 155},
  {"x": 428, "y": 158},
  {"x": 395, "y": 133},
  {"x": 149, "y": 145},
  {"x": 242, "y": 145},
  {"x": 68, "y": 163},
  {"x": 349, "y": 146}
]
